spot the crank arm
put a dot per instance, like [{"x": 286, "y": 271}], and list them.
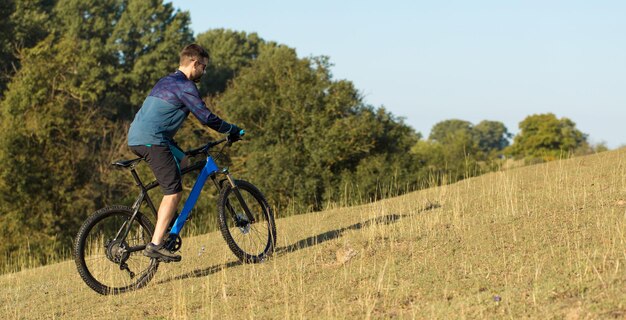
[{"x": 124, "y": 266}]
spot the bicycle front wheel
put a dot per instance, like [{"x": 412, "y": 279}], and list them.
[
  {"x": 251, "y": 242},
  {"x": 108, "y": 263}
]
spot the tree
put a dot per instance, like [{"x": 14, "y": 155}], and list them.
[
  {"x": 24, "y": 24},
  {"x": 445, "y": 131},
  {"x": 145, "y": 41},
  {"x": 546, "y": 137},
  {"x": 6, "y": 50},
  {"x": 459, "y": 146},
  {"x": 430, "y": 162},
  {"x": 389, "y": 169},
  {"x": 491, "y": 136},
  {"x": 229, "y": 52},
  {"x": 457, "y": 149}
]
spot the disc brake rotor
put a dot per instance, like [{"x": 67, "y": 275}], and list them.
[{"x": 241, "y": 221}]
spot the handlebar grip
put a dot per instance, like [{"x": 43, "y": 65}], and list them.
[{"x": 242, "y": 132}]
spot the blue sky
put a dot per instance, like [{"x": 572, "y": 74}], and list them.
[{"x": 429, "y": 61}]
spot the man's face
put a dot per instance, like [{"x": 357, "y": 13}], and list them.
[{"x": 199, "y": 67}]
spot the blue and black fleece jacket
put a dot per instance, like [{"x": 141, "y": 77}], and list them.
[{"x": 165, "y": 109}]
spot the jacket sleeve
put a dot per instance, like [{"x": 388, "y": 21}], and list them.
[{"x": 190, "y": 97}]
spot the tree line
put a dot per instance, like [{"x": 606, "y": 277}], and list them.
[{"x": 74, "y": 73}]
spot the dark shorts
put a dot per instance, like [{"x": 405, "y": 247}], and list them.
[{"x": 164, "y": 166}]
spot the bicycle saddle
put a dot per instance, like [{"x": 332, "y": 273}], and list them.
[{"x": 126, "y": 163}]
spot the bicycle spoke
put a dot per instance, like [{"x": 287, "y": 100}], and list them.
[
  {"x": 256, "y": 231},
  {"x": 257, "y": 236},
  {"x": 95, "y": 258}
]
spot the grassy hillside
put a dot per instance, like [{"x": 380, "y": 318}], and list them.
[{"x": 541, "y": 241}]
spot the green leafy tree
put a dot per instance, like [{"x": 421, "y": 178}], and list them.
[
  {"x": 445, "y": 131},
  {"x": 599, "y": 147},
  {"x": 146, "y": 41},
  {"x": 390, "y": 168},
  {"x": 6, "y": 50},
  {"x": 229, "y": 52},
  {"x": 431, "y": 168},
  {"x": 31, "y": 21},
  {"x": 459, "y": 146},
  {"x": 24, "y": 23},
  {"x": 457, "y": 149},
  {"x": 544, "y": 136},
  {"x": 492, "y": 137}
]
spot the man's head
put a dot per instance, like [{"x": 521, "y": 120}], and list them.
[{"x": 193, "y": 61}]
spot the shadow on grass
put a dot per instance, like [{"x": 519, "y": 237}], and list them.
[
  {"x": 334, "y": 234},
  {"x": 304, "y": 243},
  {"x": 203, "y": 272}
]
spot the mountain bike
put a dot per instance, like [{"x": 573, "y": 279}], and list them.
[{"x": 108, "y": 247}]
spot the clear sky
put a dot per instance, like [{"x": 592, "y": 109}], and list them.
[{"x": 429, "y": 61}]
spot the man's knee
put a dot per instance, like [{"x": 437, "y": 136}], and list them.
[{"x": 174, "y": 196}]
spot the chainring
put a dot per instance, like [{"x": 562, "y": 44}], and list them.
[{"x": 173, "y": 243}]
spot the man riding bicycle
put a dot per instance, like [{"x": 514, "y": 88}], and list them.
[{"x": 152, "y": 131}]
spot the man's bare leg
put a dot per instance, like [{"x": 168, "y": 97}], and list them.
[{"x": 166, "y": 213}]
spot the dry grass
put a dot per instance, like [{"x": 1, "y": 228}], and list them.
[{"x": 544, "y": 241}]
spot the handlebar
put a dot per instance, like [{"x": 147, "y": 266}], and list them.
[{"x": 205, "y": 149}]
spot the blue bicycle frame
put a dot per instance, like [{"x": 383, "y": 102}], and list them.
[{"x": 209, "y": 168}]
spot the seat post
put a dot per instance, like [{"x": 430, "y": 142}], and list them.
[{"x": 136, "y": 177}]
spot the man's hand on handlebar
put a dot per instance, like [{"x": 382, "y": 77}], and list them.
[{"x": 235, "y": 134}]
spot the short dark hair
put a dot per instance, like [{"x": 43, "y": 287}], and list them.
[{"x": 192, "y": 52}]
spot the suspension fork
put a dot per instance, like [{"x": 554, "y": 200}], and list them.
[
  {"x": 237, "y": 193},
  {"x": 219, "y": 187}
]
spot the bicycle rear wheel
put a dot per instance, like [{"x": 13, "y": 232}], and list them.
[
  {"x": 109, "y": 265},
  {"x": 250, "y": 242}
]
